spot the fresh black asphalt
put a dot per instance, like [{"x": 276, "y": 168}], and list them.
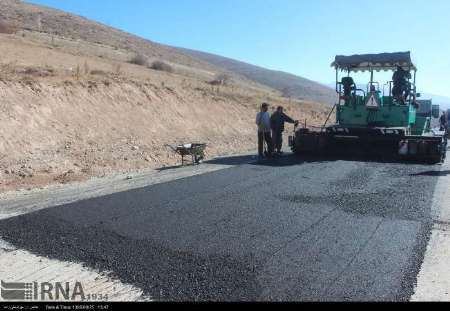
[{"x": 283, "y": 230}]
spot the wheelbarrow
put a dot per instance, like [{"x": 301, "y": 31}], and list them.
[{"x": 193, "y": 150}]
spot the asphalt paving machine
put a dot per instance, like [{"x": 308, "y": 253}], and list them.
[{"x": 376, "y": 120}]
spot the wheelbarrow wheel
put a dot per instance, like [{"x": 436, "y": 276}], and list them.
[{"x": 199, "y": 158}]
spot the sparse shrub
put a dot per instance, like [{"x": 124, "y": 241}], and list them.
[
  {"x": 38, "y": 71},
  {"x": 220, "y": 79},
  {"x": 286, "y": 92},
  {"x": 77, "y": 72},
  {"x": 97, "y": 72},
  {"x": 87, "y": 70},
  {"x": 139, "y": 59},
  {"x": 161, "y": 66},
  {"x": 224, "y": 78},
  {"x": 7, "y": 28},
  {"x": 117, "y": 69}
]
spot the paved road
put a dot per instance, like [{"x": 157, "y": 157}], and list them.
[{"x": 288, "y": 230}]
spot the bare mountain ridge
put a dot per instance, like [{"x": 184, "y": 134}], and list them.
[
  {"x": 288, "y": 84},
  {"x": 41, "y": 19}
]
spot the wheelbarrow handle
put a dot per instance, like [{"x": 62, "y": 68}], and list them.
[{"x": 171, "y": 147}]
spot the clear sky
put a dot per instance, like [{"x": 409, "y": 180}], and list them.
[{"x": 297, "y": 36}]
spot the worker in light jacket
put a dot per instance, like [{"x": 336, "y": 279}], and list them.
[
  {"x": 277, "y": 121},
  {"x": 263, "y": 123}
]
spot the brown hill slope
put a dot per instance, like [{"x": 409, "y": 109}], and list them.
[
  {"x": 72, "y": 108},
  {"x": 55, "y": 23},
  {"x": 59, "y": 125},
  {"x": 288, "y": 84},
  {"x": 58, "y": 23}
]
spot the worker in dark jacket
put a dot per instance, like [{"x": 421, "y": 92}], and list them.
[
  {"x": 277, "y": 121},
  {"x": 402, "y": 87},
  {"x": 443, "y": 122}
]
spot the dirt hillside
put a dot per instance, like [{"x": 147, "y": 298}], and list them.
[
  {"x": 71, "y": 109},
  {"x": 47, "y": 24}
]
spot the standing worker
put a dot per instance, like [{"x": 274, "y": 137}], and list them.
[
  {"x": 444, "y": 126},
  {"x": 402, "y": 87},
  {"x": 277, "y": 125},
  {"x": 263, "y": 123},
  {"x": 443, "y": 122}
]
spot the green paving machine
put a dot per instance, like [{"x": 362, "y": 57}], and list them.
[{"x": 380, "y": 120}]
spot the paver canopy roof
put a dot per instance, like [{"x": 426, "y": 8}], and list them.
[{"x": 382, "y": 61}]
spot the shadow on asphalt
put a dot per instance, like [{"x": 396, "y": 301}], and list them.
[
  {"x": 231, "y": 160},
  {"x": 433, "y": 173},
  {"x": 284, "y": 160},
  {"x": 290, "y": 159}
]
